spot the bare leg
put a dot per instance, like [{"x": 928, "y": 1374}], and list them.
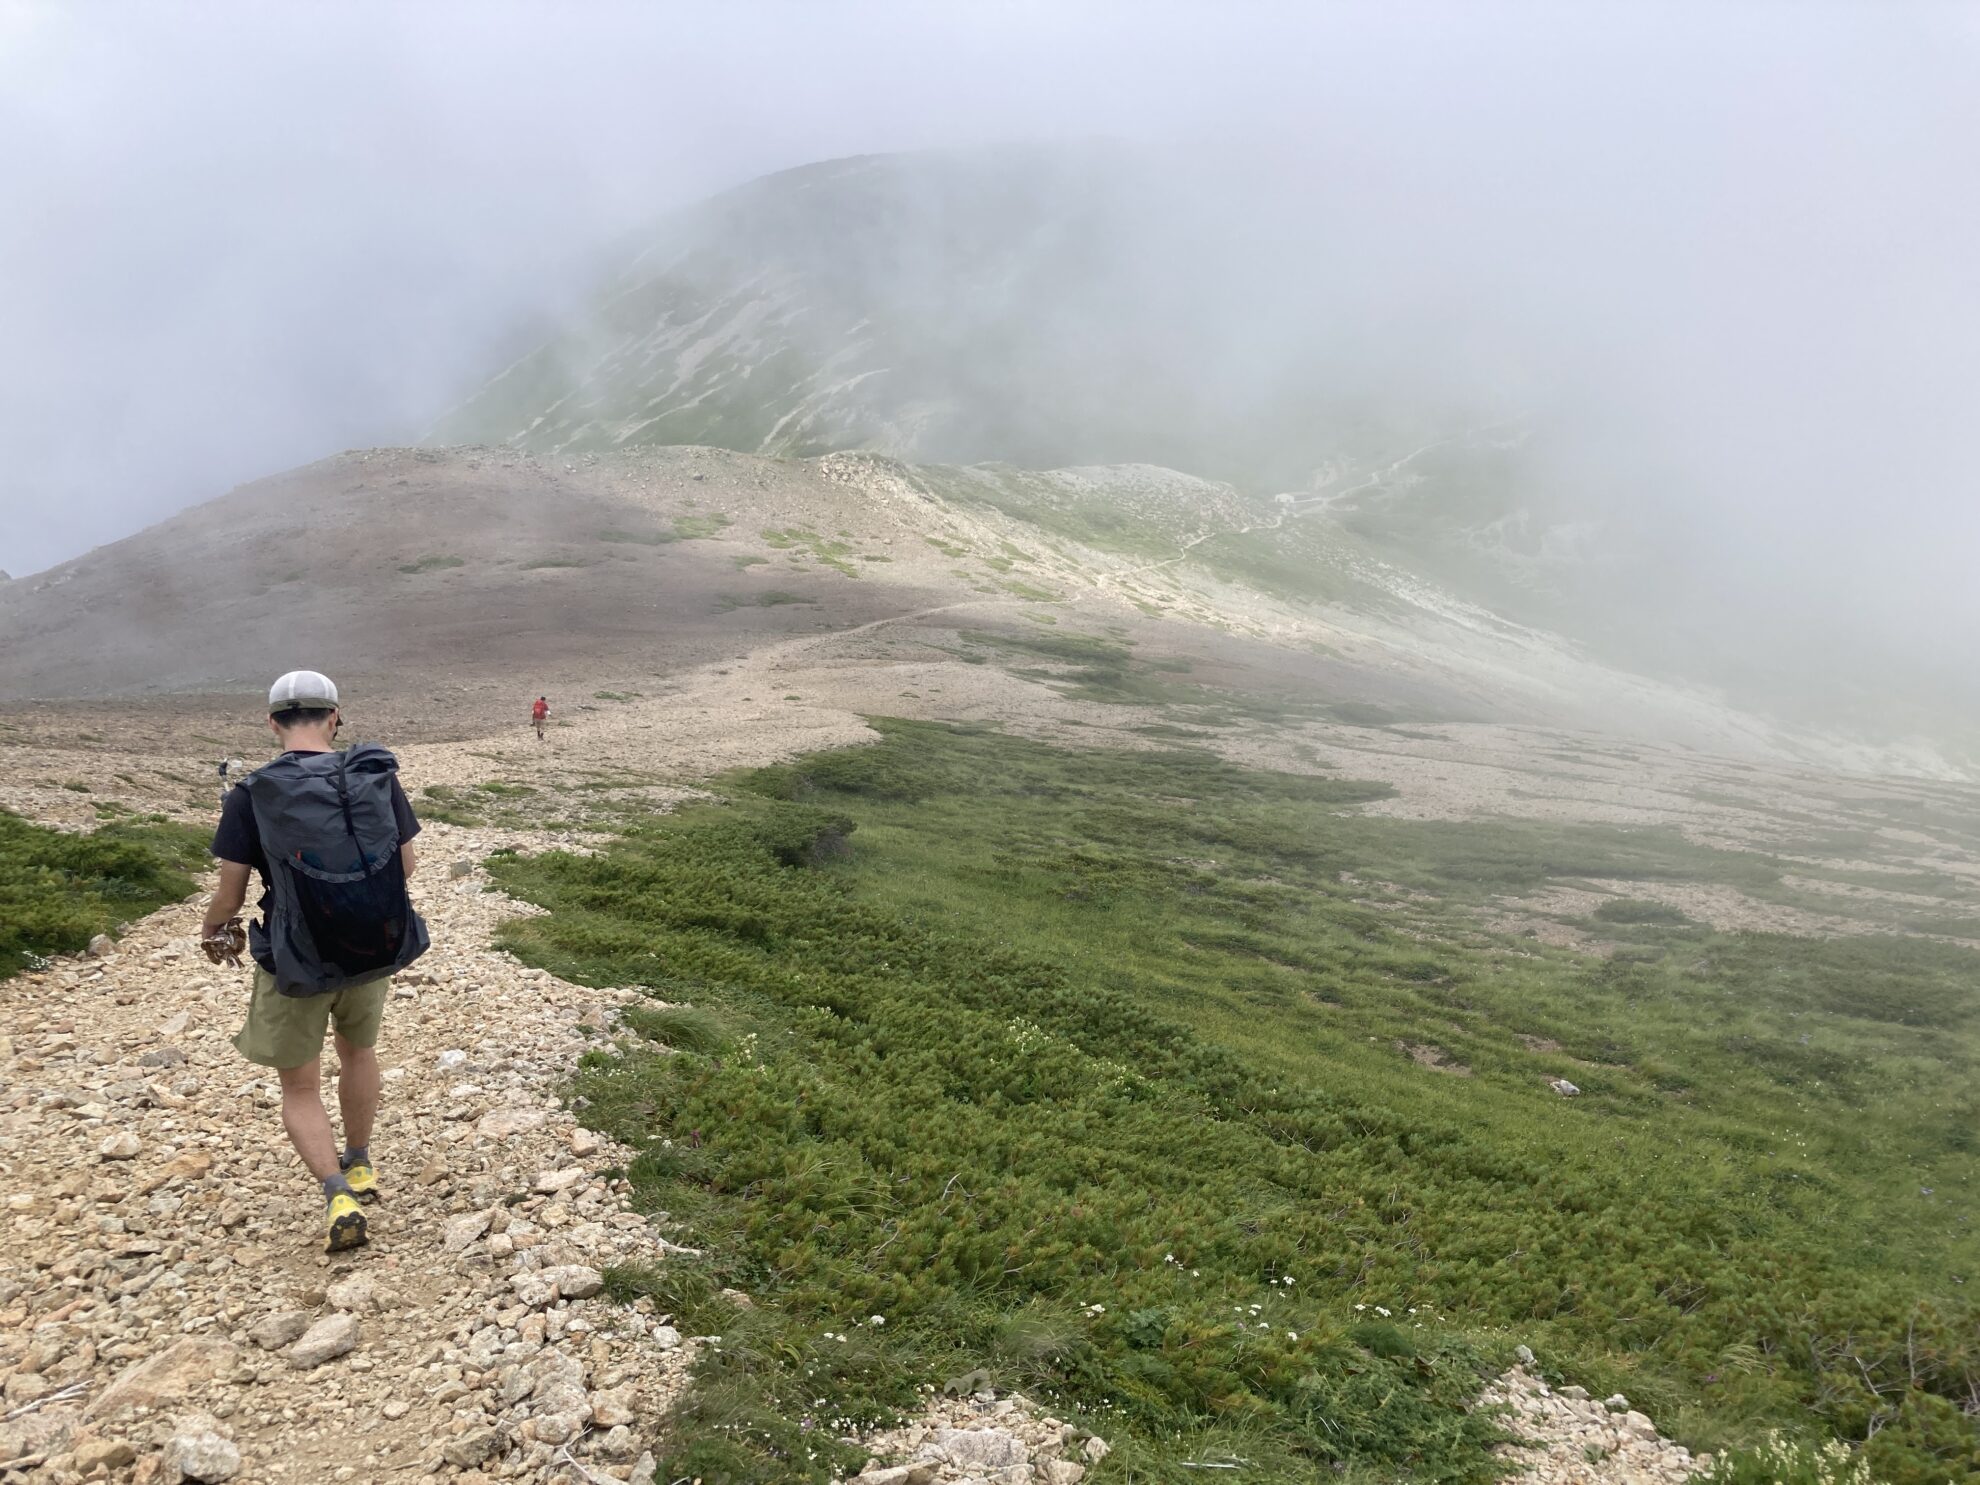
[
  {"x": 303, "y": 1117},
  {"x": 357, "y": 1090}
]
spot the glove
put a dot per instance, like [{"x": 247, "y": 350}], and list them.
[{"x": 225, "y": 943}]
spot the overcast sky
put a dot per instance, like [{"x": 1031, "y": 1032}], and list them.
[{"x": 240, "y": 237}]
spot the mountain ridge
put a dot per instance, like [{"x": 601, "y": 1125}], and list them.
[{"x": 421, "y": 570}]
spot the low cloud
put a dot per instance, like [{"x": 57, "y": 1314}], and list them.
[{"x": 1728, "y": 256}]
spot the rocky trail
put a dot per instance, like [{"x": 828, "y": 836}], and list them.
[
  {"x": 166, "y": 1302},
  {"x": 166, "y": 1311}
]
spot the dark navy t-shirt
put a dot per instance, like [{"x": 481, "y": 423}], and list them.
[{"x": 238, "y": 840}]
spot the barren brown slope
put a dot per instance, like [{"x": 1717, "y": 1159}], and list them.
[
  {"x": 445, "y": 587},
  {"x": 436, "y": 569}
]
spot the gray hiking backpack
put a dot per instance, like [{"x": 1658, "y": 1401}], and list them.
[{"x": 339, "y": 914}]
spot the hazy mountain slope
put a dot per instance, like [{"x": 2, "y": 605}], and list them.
[
  {"x": 1047, "y": 309},
  {"x": 1040, "y": 309},
  {"x": 955, "y": 307},
  {"x": 421, "y": 569},
  {"x": 456, "y": 583}
]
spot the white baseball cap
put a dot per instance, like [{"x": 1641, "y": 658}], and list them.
[{"x": 299, "y": 689}]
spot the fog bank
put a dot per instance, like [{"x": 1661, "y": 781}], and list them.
[{"x": 1728, "y": 257}]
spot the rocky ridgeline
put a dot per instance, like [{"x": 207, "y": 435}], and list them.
[
  {"x": 166, "y": 1311},
  {"x": 1569, "y": 1438}
]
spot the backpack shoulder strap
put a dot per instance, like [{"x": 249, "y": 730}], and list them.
[{"x": 344, "y": 802}]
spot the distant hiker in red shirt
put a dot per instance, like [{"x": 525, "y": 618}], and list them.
[{"x": 539, "y": 714}]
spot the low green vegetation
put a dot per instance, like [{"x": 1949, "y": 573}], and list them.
[
  {"x": 1091, "y": 667},
  {"x": 691, "y": 527},
  {"x": 698, "y": 524},
  {"x": 445, "y": 803},
  {"x": 1300, "y": 560},
  {"x": 1109, "y": 1076},
  {"x": 769, "y": 598},
  {"x": 826, "y": 550},
  {"x": 538, "y": 564},
  {"x": 431, "y": 564},
  {"x": 59, "y": 890},
  {"x": 493, "y": 802},
  {"x": 1029, "y": 592},
  {"x": 1630, "y": 910},
  {"x": 1148, "y": 522}
]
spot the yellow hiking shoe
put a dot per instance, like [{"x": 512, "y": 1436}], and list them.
[
  {"x": 362, "y": 1180},
  {"x": 345, "y": 1224}
]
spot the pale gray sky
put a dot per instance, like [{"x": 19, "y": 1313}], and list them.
[{"x": 1739, "y": 243}]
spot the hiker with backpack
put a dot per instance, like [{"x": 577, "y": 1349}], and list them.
[
  {"x": 539, "y": 714},
  {"x": 330, "y": 834}
]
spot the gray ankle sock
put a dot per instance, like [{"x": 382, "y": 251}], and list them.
[
  {"x": 354, "y": 1155},
  {"x": 336, "y": 1186}
]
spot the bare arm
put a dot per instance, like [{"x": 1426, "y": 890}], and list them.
[
  {"x": 408, "y": 859},
  {"x": 227, "y": 897}
]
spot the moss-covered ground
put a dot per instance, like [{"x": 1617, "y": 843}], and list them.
[{"x": 1111, "y": 1075}]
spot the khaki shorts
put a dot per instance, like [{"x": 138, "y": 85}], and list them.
[{"x": 287, "y": 1030}]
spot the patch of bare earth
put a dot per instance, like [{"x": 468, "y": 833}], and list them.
[{"x": 1424, "y": 1054}]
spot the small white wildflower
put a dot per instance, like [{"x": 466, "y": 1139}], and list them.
[
  {"x": 876, "y": 1319},
  {"x": 1380, "y": 1310},
  {"x": 1292, "y": 1335},
  {"x": 1361, "y": 1307}
]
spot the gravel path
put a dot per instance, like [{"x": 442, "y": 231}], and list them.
[{"x": 161, "y": 1276}]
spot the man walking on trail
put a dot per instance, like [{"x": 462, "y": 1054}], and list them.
[
  {"x": 330, "y": 834},
  {"x": 539, "y": 714}
]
